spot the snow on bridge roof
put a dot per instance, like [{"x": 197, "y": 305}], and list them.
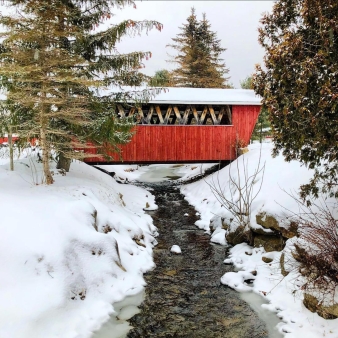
[
  {"x": 176, "y": 95},
  {"x": 207, "y": 96}
]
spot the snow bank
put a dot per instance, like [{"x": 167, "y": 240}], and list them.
[
  {"x": 279, "y": 180},
  {"x": 68, "y": 251},
  {"x": 283, "y": 294}
]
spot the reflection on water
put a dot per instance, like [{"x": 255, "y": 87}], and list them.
[
  {"x": 117, "y": 326},
  {"x": 269, "y": 318},
  {"x": 160, "y": 172}
]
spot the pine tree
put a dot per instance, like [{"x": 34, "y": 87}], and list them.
[
  {"x": 212, "y": 69},
  {"x": 54, "y": 59},
  {"x": 12, "y": 115},
  {"x": 198, "y": 58},
  {"x": 162, "y": 78},
  {"x": 299, "y": 85},
  {"x": 247, "y": 83}
]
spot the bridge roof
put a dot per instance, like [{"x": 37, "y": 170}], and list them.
[
  {"x": 207, "y": 96},
  {"x": 179, "y": 95}
]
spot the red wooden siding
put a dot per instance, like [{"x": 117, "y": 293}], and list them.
[
  {"x": 5, "y": 139},
  {"x": 186, "y": 143}
]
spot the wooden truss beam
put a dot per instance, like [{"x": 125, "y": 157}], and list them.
[{"x": 175, "y": 114}]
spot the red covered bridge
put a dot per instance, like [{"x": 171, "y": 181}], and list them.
[{"x": 189, "y": 125}]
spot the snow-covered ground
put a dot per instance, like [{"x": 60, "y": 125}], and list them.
[
  {"x": 280, "y": 180},
  {"x": 70, "y": 250}
]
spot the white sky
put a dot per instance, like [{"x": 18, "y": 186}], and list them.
[{"x": 235, "y": 22}]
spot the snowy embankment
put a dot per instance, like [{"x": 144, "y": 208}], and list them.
[
  {"x": 283, "y": 294},
  {"x": 70, "y": 250}
]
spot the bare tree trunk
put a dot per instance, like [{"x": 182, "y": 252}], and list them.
[
  {"x": 45, "y": 149},
  {"x": 11, "y": 153},
  {"x": 63, "y": 162}
]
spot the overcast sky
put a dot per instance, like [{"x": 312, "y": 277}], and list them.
[{"x": 235, "y": 22}]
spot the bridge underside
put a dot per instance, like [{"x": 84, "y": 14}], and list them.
[{"x": 221, "y": 162}]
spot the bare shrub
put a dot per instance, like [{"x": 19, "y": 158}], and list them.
[
  {"x": 239, "y": 144},
  {"x": 237, "y": 197},
  {"x": 316, "y": 250}
]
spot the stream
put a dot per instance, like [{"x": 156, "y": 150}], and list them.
[{"x": 184, "y": 296}]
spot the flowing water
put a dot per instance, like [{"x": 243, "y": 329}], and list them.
[{"x": 184, "y": 296}]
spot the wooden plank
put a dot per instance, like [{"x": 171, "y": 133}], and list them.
[
  {"x": 159, "y": 113},
  {"x": 180, "y": 143},
  {"x": 149, "y": 115},
  {"x": 121, "y": 110},
  {"x": 194, "y": 111},
  {"x": 167, "y": 115},
  {"x": 213, "y": 116},
  {"x": 186, "y": 115},
  {"x": 131, "y": 112},
  {"x": 178, "y": 114},
  {"x": 140, "y": 115},
  {"x": 203, "y": 115},
  {"x": 220, "y": 115},
  {"x": 171, "y": 142},
  {"x": 228, "y": 111}
]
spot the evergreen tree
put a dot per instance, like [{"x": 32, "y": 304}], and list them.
[
  {"x": 262, "y": 127},
  {"x": 247, "y": 83},
  {"x": 52, "y": 59},
  {"x": 162, "y": 78},
  {"x": 198, "y": 58},
  {"x": 13, "y": 115},
  {"x": 299, "y": 85}
]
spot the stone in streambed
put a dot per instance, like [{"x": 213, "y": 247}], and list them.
[{"x": 176, "y": 249}]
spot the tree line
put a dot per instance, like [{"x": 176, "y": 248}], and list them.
[{"x": 55, "y": 56}]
